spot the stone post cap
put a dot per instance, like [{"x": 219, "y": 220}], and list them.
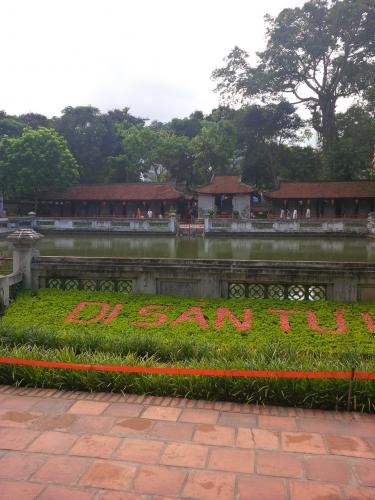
[{"x": 25, "y": 237}]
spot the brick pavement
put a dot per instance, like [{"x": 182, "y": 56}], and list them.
[{"x": 80, "y": 446}]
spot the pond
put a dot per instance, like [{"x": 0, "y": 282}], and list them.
[{"x": 256, "y": 248}]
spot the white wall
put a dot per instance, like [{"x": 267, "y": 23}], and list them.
[
  {"x": 241, "y": 203},
  {"x": 205, "y": 202}
]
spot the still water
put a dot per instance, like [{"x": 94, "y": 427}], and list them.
[{"x": 257, "y": 248}]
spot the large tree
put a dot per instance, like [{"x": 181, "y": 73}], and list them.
[
  {"x": 318, "y": 54},
  {"x": 10, "y": 125},
  {"x": 214, "y": 149},
  {"x": 156, "y": 151},
  {"x": 37, "y": 161},
  {"x": 93, "y": 138},
  {"x": 84, "y": 131},
  {"x": 263, "y": 133},
  {"x": 351, "y": 156}
]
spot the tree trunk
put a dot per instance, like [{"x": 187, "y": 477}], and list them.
[{"x": 328, "y": 123}]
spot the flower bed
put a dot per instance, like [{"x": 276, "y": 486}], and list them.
[{"x": 113, "y": 328}]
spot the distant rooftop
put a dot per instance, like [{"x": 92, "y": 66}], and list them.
[
  {"x": 325, "y": 190},
  {"x": 118, "y": 192},
  {"x": 225, "y": 184}
]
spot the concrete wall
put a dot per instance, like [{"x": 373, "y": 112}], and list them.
[
  {"x": 208, "y": 278},
  {"x": 320, "y": 226},
  {"x": 6, "y": 282},
  {"x": 206, "y": 202},
  {"x": 241, "y": 203},
  {"x": 145, "y": 225}
]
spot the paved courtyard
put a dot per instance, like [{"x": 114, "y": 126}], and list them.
[{"x": 71, "y": 445}]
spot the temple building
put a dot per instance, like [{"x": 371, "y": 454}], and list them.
[
  {"x": 114, "y": 200},
  {"x": 224, "y": 195},
  {"x": 324, "y": 199}
]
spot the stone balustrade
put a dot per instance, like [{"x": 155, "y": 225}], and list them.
[
  {"x": 344, "y": 282},
  {"x": 78, "y": 224},
  {"x": 303, "y": 226}
]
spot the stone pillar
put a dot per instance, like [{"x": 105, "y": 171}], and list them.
[
  {"x": 23, "y": 241},
  {"x": 206, "y": 224},
  {"x": 371, "y": 224},
  {"x": 4, "y": 292},
  {"x": 173, "y": 223}
]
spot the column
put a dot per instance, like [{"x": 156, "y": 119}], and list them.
[{"x": 23, "y": 241}]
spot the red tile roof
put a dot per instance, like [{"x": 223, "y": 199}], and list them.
[
  {"x": 326, "y": 190},
  {"x": 142, "y": 191},
  {"x": 225, "y": 184}
]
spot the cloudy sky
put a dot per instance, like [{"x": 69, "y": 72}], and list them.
[{"x": 154, "y": 56}]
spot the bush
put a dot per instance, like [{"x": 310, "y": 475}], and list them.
[{"x": 34, "y": 326}]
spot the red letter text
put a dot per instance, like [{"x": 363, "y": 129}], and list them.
[{"x": 222, "y": 313}]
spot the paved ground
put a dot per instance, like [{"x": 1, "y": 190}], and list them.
[{"x": 68, "y": 445}]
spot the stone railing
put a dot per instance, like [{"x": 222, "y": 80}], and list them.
[
  {"x": 8, "y": 287},
  {"x": 346, "y": 282},
  {"x": 246, "y": 226},
  {"x": 103, "y": 224},
  {"x": 343, "y": 282},
  {"x": 371, "y": 225}
]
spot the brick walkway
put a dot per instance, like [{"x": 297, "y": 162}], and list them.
[{"x": 71, "y": 445}]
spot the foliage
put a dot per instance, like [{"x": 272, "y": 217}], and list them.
[
  {"x": 34, "y": 120},
  {"x": 351, "y": 156},
  {"x": 308, "y": 393},
  {"x": 214, "y": 149},
  {"x": 33, "y": 328},
  {"x": 319, "y": 53},
  {"x": 11, "y": 126},
  {"x": 93, "y": 137},
  {"x": 37, "y": 161},
  {"x": 188, "y": 127},
  {"x": 160, "y": 152},
  {"x": 44, "y": 312},
  {"x": 262, "y": 134}
]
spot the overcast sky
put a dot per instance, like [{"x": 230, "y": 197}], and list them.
[{"x": 154, "y": 56}]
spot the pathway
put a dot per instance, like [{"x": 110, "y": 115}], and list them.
[{"x": 78, "y": 446}]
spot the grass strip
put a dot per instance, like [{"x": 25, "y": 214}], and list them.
[{"x": 308, "y": 393}]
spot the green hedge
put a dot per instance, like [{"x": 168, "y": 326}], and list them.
[
  {"x": 39, "y": 317},
  {"x": 34, "y": 326}
]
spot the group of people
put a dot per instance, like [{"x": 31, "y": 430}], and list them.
[
  {"x": 293, "y": 215},
  {"x": 149, "y": 214}
]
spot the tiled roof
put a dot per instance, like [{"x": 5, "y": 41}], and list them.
[
  {"x": 225, "y": 184},
  {"x": 142, "y": 191},
  {"x": 326, "y": 190}
]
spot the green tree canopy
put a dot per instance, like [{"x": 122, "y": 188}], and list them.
[
  {"x": 158, "y": 151},
  {"x": 37, "y": 161},
  {"x": 214, "y": 149},
  {"x": 93, "y": 137},
  {"x": 351, "y": 156},
  {"x": 262, "y": 130},
  {"x": 318, "y": 54}
]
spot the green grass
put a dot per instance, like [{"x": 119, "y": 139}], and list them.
[
  {"x": 308, "y": 393},
  {"x": 34, "y": 328}
]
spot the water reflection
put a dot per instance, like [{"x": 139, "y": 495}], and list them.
[{"x": 259, "y": 248}]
